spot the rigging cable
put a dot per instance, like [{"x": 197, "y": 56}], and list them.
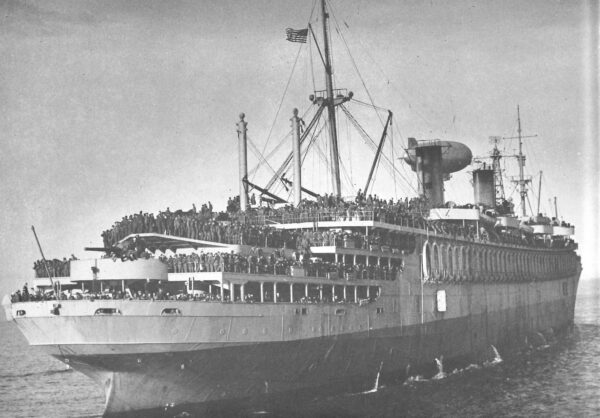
[
  {"x": 368, "y": 93},
  {"x": 534, "y": 161},
  {"x": 270, "y": 154},
  {"x": 372, "y": 144},
  {"x": 314, "y": 136},
  {"x": 344, "y": 170},
  {"x": 283, "y": 167},
  {"x": 389, "y": 82},
  {"x": 360, "y": 102},
  {"x": 393, "y": 158},
  {"x": 349, "y": 142},
  {"x": 286, "y": 88},
  {"x": 258, "y": 155},
  {"x": 281, "y": 101},
  {"x": 268, "y": 157},
  {"x": 354, "y": 63}
]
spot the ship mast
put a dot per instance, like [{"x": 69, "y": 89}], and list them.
[
  {"x": 330, "y": 103},
  {"x": 498, "y": 182},
  {"x": 522, "y": 181},
  {"x": 521, "y": 159}
]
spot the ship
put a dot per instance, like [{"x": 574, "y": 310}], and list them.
[{"x": 314, "y": 294}]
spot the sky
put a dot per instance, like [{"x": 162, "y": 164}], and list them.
[{"x": 108, "y": 108}]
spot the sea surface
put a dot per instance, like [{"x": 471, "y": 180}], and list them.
[{"x": 561, "y": 379}]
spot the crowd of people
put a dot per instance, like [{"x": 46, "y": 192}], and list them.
[
  {"x": 27, "y": 295},
  {"x": 409, "y": 212},
  {"x": 275, "y": 264},
  {"x": 33, "y": 295},
  {"x": 234, "y": 227},
  {"x": 53, "y": 268},
  {"x": 206, "y": 226},
  {"x": 252, "y": 226}
]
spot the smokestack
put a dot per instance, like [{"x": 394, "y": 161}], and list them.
[
  {"x": 243, "y": 162},
  {"x": 297, "y": 158},
  {"x": 484, "y": 187},
  {"x": 430, "y": 173}
]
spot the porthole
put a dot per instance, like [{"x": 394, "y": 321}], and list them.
[{"x": 222, "y": 331}]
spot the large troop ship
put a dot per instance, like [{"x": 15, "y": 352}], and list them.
[{"x": 314, "y": 294}]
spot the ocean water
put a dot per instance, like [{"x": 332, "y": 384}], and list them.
[{"x": 561, "y": 379}]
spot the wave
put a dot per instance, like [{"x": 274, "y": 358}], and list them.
[{"x": 44, "y": 373}]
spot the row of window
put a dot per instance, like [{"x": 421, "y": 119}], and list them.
[
  {"x": 446, "y": 262},
  {"x": 177, "y": 312}
]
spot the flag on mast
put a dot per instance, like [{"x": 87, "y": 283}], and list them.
[{"x": 296, "y": 35}]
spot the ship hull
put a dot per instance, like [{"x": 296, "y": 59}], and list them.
[{"x": 147, "y": 378}]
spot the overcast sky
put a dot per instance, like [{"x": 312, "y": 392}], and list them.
[{"x": 112, "y": 107}]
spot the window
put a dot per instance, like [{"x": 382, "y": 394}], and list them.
[
  {"x": 107, "y": 311},
  {"x": 301, "y": 311},
  {"x": 441, "y": 300},
  {"x": 170, "y": 312},
  {"x": 340, "y": 312},
  {"x": 20, "y": 312},
  {"x": 379, "y": 311}
]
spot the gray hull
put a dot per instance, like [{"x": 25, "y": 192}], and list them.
[{"x": 168, "y": 370}]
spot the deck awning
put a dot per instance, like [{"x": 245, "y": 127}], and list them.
[{"x": 163, "y": 242}]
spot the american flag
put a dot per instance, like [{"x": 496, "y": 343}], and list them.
[{"x": 296, "y": 35}]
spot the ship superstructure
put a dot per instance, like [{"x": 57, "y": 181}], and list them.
[{"x": 318, "y": 296}]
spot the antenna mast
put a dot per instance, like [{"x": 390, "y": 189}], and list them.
[
  {"x": 496, "y": 157},
  {"x": 539, "y": 194},
  {"x": 522, "y": 181},
  {"x": 521, "y": 159},
  {"x": 330, "y": 103}
]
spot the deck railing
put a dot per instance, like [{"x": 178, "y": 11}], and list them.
[{"x": 406, "y": 220}]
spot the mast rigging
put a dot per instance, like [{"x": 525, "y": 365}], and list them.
[
  {"x": 378, "y": 152},
  {"x": 522, "y": 181}
]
